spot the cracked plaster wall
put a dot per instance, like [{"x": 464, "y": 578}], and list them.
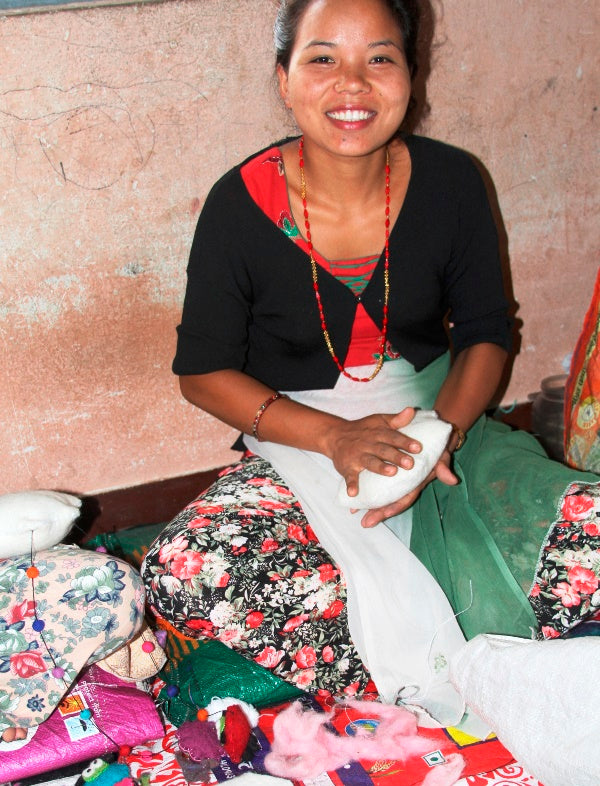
[{"x": 114, "y": 123}]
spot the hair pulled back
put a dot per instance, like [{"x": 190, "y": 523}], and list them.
[{"x": 405, "y": 12}]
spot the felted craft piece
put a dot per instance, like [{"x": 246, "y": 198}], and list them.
[
  {"x": 121, "y": 714},
  {"x": 199, "y": 740},
  {"x": 375, "y": 491},
  {"x": 162, "y": 760},
  {"x": 195, "y": 771},
  {"x": 541, "y": 698},
  {"x": 304, "y": 746},
  {"x": 217, "y": 707},
  {"x": 103, "y": 773},
  {"x": 236, "y": 733}
]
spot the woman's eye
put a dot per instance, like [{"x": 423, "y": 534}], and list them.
[
  {"x": 322, "y": 59},
  {"x": 380, "y": 59}
]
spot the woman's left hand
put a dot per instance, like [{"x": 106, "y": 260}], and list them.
[
  {"x": 463, "y": 397},
  {"x": 441, "y": 471}
]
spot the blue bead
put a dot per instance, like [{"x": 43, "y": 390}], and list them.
[
  {"x": 85, "y": 714},
  {"x": 38, "y": 625},
  {"x": 172, "y": 691}
]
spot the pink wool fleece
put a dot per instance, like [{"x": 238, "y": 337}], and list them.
[{"x": 303, "y": 747}]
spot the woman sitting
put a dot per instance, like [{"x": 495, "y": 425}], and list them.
[{"x": 321, "y": 276}]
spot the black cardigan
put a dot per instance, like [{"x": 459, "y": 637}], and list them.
[{"x": 250, "y": 305}]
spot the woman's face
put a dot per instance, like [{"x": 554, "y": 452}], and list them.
[{"x": 348, "y": 83}]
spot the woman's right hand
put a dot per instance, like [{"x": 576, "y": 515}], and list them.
[{"x": 375, "y": 443}]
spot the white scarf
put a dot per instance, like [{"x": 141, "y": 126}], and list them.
[{"x": 400, "y": 620}]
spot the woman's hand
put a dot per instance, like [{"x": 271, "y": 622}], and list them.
[
  {"x": 441, "y": 471},
  {"x": 463, "y": 397},
  {"x": 372, "y": 443}
]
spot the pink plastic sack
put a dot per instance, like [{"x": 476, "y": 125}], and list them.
[{"x": 126, "y": 715}]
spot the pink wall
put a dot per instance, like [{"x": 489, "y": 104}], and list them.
[{"x": 114, "y": 123}]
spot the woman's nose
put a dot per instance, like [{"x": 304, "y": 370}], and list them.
[{"x": 352, "y": 79}]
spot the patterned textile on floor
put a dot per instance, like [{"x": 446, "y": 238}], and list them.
[
  {"x": 78, "y": 608},
  {"x": 158, "y": 759}
]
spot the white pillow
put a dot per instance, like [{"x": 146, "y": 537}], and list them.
[
  {"x": 375, "y": 490},
  {"x": 49, "y": 515}
]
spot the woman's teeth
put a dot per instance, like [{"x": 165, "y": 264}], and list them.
[{"x": 350, "y": 115}]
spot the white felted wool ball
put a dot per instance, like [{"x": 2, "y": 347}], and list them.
[
  {"x": 49, "y": 515},
  {"x": 375, "y": 490}
]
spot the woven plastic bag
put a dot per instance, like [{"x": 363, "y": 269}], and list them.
[
  {"x": 582, "y": 393},
  {"x": 212, "y": 670}
]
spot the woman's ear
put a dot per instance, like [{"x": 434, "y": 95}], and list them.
[{"x": 282, "y": 78}]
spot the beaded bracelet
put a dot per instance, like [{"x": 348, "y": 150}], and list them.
[
  {"x": 261, "y": 411},
  {"x": 461, "y": 437}
]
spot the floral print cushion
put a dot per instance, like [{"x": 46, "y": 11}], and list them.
[
  {"x": 566, "y": 589},
  {"x": 91, "y": 605}
]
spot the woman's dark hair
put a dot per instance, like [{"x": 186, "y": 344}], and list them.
[{"x": 405, "y": 12}]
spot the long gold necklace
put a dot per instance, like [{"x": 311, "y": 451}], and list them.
[{"x": 386, "y": 271}]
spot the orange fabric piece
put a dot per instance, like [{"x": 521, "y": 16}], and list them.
[{"x": 582, "y": 393}]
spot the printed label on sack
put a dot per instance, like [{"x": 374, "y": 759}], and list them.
[
  {"x": 70, "y": 709},
  {"x": 434, "y": 758}
]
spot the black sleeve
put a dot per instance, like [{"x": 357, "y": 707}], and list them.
[
  {"x": 473, "y": 279},
  {"x": 213, "y": 334}
]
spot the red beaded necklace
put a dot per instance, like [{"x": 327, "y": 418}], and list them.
[{"x": 386, "y": 269}]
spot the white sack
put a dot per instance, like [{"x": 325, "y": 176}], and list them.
[{"x": 542, "y": 698}]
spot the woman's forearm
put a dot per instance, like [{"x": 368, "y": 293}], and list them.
[
  {"x": 234, "y": 398},
  {"x": 471, "y": 384},
  {"x": 375, "y": 442}
]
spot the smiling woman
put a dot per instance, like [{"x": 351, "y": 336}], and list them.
[
  {"x": 347, "y": 81},
  {"x": 321, "y": 277}
]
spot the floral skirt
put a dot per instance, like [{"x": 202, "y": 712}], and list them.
[{"x": 241, "y": 564}]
